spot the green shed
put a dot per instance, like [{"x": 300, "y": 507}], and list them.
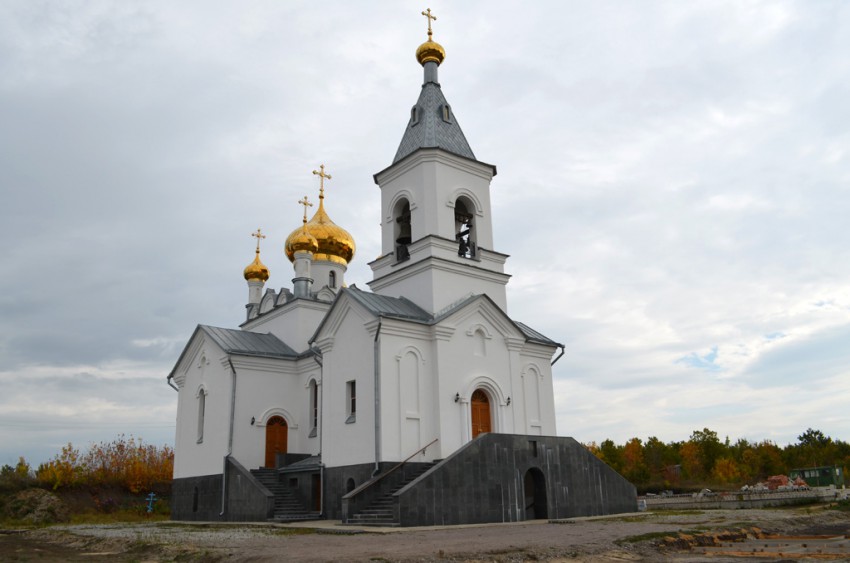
[{"x": 820, "y": 476}]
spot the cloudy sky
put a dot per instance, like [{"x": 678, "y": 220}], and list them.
[{"x": 673, "y": 189}]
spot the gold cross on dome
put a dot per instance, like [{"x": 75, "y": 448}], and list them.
[
  {"x": 306, "y": 204},
  {"x": 322, "y": 177},
  {"x": 427, "y": 14},
  {"x": 259, "y": 234}
]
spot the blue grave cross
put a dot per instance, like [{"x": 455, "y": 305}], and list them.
[{"x": 151, "y": 499}]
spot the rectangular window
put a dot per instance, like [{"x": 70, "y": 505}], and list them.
[{"x": 351, "y": 401}]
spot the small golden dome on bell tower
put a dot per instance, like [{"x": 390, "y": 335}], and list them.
[{"x": 430, "y": 51}]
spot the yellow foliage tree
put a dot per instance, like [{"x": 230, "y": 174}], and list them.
[
  {"x": 726, "y": 470},
  {"x": 123, "y": 462}
]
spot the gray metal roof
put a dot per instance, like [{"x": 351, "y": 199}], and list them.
[
  {"x": 430, "y": 130},
  {"x": 397, "y": 307},
  {"x": 535, "y": 336},
  {"x": 403, "y": 308},
  {"x": 244, "y": 343}
]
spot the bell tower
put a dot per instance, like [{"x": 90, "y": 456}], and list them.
[{"x": 436, "y": 220}]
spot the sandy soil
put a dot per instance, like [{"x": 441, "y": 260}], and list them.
[{"x": 619, "y": 538}]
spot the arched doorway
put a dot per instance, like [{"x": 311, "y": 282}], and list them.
[
  {"x": 535, "y": 495},
  {"x": 276, "y": 435},
  {"x": 480, "y": 405}
]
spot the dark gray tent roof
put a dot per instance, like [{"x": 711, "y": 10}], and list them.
[{"x": 429, "y": 126}]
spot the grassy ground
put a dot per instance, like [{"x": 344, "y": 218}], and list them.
[{"x": 92, "y": 505}]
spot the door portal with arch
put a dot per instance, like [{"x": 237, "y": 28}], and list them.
[
  {"x": 481, "y": 417},
  {"x": 535, "y": 495},
  {"x": 277, "y": 433}
]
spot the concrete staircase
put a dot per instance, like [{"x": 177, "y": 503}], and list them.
[
  {"x": 287, "y": 507},
  {"x": 380, "y": 511}
]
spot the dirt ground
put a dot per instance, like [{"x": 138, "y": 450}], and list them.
[{"x": 621, "y": 538}]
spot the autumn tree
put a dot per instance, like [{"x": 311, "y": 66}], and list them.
[
  {"x": 124, "y": 462},
  {"x": 726, "y": 471},
  {"x": 813, "y": 449},
  {"x": 634, "y": 468},
  {"x": 658, "y": 455},
  {"x": 612, "y": 454},
  {"x": 691, "y": 459},
  {"x": 710, "y": 448}
]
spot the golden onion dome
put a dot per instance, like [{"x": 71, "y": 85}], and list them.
[
  {"x": 301, "y": 241},
  {"x": 334, "y": 243},
  {"x": 256, "y": 270},
  {"x": 430, "y": 51}
]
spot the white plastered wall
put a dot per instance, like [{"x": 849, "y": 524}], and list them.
[
  {"x": 347, "y": 355},
  {"x": 435, "y": 286},
  {"x": 423, "y": 369},
  {"x": 294, "y": 323},
  {"x": 432, "y": 180},
  {"x": 268, "y": 388},
  {"x": 407, "y": 391},
  {"x": 201, "y": 372}
]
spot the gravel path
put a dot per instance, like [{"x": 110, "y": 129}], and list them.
[{"x": 594, "y": 539}]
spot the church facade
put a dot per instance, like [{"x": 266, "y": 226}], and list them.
[{"x": 418, "y": 402}]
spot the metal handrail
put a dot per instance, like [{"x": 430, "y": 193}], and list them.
[{"x": 380, "y": 477}]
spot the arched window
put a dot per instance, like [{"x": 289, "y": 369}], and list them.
[
  {"x": 202, "y": 404},
  {"x": 464, "y": 231},
  {"x": 314, "y": 409},
  {"x": 332, "y": 280},
  {"x": 402, "y": 229}
]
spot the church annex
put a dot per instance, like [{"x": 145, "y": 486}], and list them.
[{"x": 419, "y": 402}]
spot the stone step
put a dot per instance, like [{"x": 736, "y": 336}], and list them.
[
  {"x": 373, "y": 511},
  {"x": 287, "y": 507},
  {"x": 379, "y": 512},
  {"x": 295, "y": 517},
  {"x": 376, "y": 523},
  {"x": 372, "y": 518}
]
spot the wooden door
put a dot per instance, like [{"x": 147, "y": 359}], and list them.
[
  {"x": 317, "y": 492},
  {"x": 276, "y": 435},
  {"x": 480, "y": 413}
]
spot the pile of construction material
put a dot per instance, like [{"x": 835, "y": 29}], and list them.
[{"x": 778, "y": 483}]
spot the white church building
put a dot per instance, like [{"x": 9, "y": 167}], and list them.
[{"x": 418, "y": 402}]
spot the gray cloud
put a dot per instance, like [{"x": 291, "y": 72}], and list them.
[{"x": 672, "y": 180}]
